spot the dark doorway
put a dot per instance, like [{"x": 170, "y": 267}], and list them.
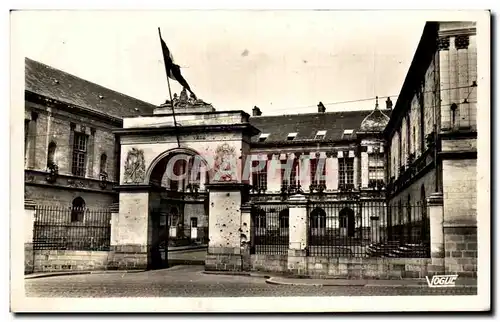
[
  {"x": 347, "y": 221},
  {"x": 159, "y": 244}
]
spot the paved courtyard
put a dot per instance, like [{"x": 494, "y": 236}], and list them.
[{"x": 190, "y": 281}]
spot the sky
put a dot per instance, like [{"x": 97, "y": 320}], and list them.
[{"x": 284, "y": 62}]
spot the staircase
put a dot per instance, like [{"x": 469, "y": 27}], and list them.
[{"x": 392, "y": 249}]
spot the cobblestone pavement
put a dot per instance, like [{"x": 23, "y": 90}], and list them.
[{"x": 189, "y": 281}]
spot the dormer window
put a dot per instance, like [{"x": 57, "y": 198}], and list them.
[
  {"x": 320, "y": 135},
  {"x": 347, "y": 134},
  {"x": 263, "y": 137},
  {"x": 291, "y": 136}
]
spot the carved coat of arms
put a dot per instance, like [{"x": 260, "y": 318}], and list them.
[
  {"x": 135, "y": 168},
  {"x": 225, "y": 163}
]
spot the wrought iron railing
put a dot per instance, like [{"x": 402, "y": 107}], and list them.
[
  {"x": 270, "y": 229},
  {"x": 364, "y": 229},
  {"x": 71, "y": 228}
]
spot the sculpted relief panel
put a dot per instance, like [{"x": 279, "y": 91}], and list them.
[{"x": 135, "y": 168}]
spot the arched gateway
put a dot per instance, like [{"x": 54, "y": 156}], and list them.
[{"x": 169, "y": 177}]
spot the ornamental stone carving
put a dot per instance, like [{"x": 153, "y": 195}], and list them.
[
  {"x": 135, "y": 168},
  {"x": 225, "y": 163},
  {"x": 444, "y": 43},
  {"x": 462, "y": 42}
]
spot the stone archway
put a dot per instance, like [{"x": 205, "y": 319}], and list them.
[{"x": 177, "y": 178}]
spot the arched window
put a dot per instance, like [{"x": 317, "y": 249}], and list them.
[
  {"x": 318, "y": 218},
  {"x": 423, "y": 203},
  {"x": 77, "y": 209},
  {"x": 347, "y": 221},
  {"x": 284, "y": 219},
  {"x": 51, "y": 153},
  {"x": 408, "y": 210},
  {"x": 102, "y": 163}
]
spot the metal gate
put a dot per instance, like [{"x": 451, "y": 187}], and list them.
[{"x": 159, "y": 243}]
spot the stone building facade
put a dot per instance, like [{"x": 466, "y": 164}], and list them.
[
  {"x": 68, "y": 132},
  {"x": 432, "y": 138},
  {"x": 303, "y": 193}
]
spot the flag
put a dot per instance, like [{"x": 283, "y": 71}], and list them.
[{"x": 173, "y": 70}]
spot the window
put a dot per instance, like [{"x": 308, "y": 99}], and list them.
[
  {"x": 346, "y": 171},
  {"x": 102, "y": 164},
  {"x": 375, "y": 170},
  {"x": 26, "y": 136},
  {"x": 284, "y": 219},
  {"x": 320, "y": 135},
  {"x": 259, "y": 174},
  {"x": 77, "y": 209},
  {"x": 318, "y": 218},
  {"x": 79, "y": 154},
  {"x": 263, "y": 137},
  {"x": 318, "y": 171},
  {"x": 347, "y": 135},
  {"x": 50, "y": 154},
  {"x": 408, "y": 210},
  {"x": 289, "y": 175},
  {"x": 291, "y": 136},
  {"x": 194, "y": 222},
  {"x": 414, "y": 139}
]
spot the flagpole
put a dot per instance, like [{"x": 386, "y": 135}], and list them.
[{"x": 171, "y": 102}]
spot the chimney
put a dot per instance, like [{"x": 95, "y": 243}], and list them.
[
  {"x": 256, "y": 111},
  {"x": 388, "y": 103},
  {"x": 321, "y": 108}
]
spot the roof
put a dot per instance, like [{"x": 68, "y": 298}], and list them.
[
  {"x": 307, "y": 125},
  {"x": 376, "y": 121},
  {"x": 53, "y": 83}
]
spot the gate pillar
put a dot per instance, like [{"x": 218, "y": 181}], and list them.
[
  {"x": 131, "y": 229},
  {"x": 225, "y": 238},
  {"x": 297, "y": 249}
]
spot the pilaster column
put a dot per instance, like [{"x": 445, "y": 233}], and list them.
[
  {"x": 356, "y": 166},
  {"x": 435, "y": 211},
  {"x": 273, "y": 174},
  {"x": 364, "y": 169},
  {"x": 305, "y": 171},
  {"x": 332, "y": 172}
]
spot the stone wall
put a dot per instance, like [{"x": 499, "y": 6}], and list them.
[
  {"x": 350, "y": 268},
  {"x": 66, "y": 260},
  {"x": 268, "y": 263},
  {"x": 63, "y": 197},
  {"x": 223, "y": 259}
]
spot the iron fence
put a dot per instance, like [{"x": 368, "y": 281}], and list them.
[
  {"x": 270, "y": 229},
  {"x": 367, "y": 229},
  {"x": 71, "y": 228}
]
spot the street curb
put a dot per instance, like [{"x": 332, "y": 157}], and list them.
[
  {"x": 275, "y": 282},
  {"x": 270, "y": 281},
  {"x": 55, "y": 274},
  {"x": 235, "y": 274}
]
